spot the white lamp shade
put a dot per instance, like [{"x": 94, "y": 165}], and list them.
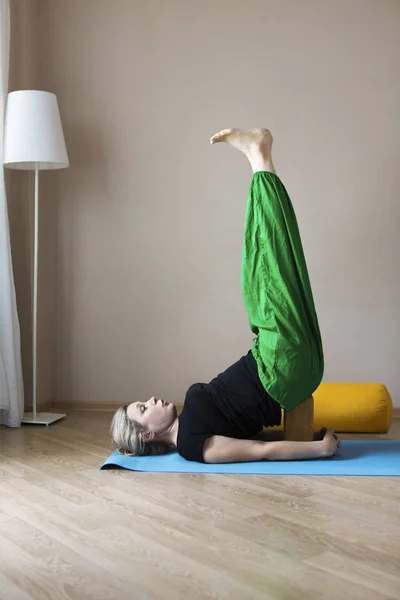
[{"x": 33, "y": 133}]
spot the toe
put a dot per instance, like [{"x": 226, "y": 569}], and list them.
[{"x": 220, "y": 136}]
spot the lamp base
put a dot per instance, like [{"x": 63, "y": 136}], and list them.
[{"x": 42, "y": 418}]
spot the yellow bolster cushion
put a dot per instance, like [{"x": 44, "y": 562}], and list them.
[{"x": 353, "y": 407}]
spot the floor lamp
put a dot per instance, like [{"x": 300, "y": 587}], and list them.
[{"x": 34, "y": 140}]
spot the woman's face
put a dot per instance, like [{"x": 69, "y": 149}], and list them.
[{"x": 155, "y": 415}]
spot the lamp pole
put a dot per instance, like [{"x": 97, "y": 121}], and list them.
[{"x": 35, "y": 290}]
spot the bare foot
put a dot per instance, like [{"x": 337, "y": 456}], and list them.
[{"x": 256, "y": 144}]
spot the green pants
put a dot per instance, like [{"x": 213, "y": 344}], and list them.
[{"x": 278, "y": 297}]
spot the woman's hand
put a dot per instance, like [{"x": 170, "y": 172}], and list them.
[{"x": 331, "y": 443}]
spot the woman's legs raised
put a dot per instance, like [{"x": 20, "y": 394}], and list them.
[{"x": 276, "y": 286}]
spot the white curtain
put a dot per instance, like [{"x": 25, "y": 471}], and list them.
[{"x": 11, "y": 385}]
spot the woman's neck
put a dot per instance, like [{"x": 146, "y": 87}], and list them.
[{"x": 170, "y": 436}]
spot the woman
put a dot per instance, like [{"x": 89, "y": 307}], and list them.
[{"x": 221, "y": 419}]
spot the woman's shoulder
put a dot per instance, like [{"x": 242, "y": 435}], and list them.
[
  {"x": 196, "y": 398},
  {"x": 195, "y": 422},
  {"x": 195, "y": 390}
]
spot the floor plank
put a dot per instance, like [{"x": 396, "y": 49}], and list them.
[{"x": 69, "y": 531}]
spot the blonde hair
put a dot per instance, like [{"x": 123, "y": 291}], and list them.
[{"x": 127, "y": 435}]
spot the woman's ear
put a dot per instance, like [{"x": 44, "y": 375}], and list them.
[{"x": 148, "y": 436}]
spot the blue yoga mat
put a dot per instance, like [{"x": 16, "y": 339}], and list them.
[{"x": 355, "y": 457}]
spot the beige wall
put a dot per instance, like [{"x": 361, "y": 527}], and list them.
[{"x": 145, "y": 237}]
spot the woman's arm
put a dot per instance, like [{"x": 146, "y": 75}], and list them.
[
  {"x": 278, "y": 435},
  {"x": 220, "y": 449}
]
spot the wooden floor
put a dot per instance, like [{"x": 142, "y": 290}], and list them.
[{"x": 70, "y": 531}]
